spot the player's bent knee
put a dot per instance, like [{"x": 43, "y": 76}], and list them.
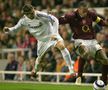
[
  {"x": 101, "y": 57},
  {"x": 105, "y": 61},
  {"x": 60, "y": 45}
]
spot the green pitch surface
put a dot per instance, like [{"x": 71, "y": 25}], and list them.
[{"x": 35, "y": 86}]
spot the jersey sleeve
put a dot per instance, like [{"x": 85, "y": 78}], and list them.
[
  {"x": 17, "y": 26},
  {"x": 100, "y": 21},
  {"x": 55, "y": 25},
  {"x": 67, "y": 18}
]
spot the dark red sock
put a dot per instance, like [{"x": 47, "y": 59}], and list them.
[
  {"x": 81, "y": 66},
  {"x": 104, "y": 73}
]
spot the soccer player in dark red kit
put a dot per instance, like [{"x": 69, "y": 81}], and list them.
[{"x": 80, "y": 22}]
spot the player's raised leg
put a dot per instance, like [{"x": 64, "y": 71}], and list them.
[
  {"x": 82, "y": 52},
  {"x": 66, "y": 55},
  {"x": 42, "y": 48},
  {"x": 60, "y": 45},
  {"x": 101, "y": 57}
]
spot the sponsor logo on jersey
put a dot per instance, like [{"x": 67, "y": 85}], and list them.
[{"x": 36, "y": 26}]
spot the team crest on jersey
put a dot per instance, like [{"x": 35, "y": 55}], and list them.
[{"x": 84, "y": 21}]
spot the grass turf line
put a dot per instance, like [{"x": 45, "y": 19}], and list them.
[{"x": 30, "y": 86}]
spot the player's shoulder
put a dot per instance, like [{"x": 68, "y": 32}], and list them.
[
  {"x": 71, "y": 14},
  {"x": 91, "y": 12},
  {"x": 41, "y": 13}
]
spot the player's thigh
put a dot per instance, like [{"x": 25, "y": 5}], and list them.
[
  {"x": 102, "y": 57},
  {"x": 43, "y": 47}
]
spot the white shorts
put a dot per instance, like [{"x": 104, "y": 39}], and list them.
[
  {"x": 43, "y": 46},
  {"x": 91, "y": 45}
]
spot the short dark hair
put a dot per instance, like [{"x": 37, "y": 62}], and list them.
[
  {"x": 27, "y": 8},
  {"x": 84, "y": 4}
]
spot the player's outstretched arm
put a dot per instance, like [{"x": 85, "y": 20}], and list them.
[{"x": 16, "y": 27}]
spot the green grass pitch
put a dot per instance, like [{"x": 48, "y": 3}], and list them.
[{"x": 36, "y": 86}]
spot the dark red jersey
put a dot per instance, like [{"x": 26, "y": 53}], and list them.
[{"x": 81, "y": 26}]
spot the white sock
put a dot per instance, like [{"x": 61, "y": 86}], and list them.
[
  {"x": 67, "y": 57},
  {"x": 36, "y": 63}
]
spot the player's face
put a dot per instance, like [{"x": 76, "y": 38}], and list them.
[
  {"x": 82, "y": 11},
  {"x": 30, "y": 14}
]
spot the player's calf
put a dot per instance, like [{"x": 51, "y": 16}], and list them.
[
  {"x": 36, "y": 67},
  {"x": 66, "y": 55},
  {"x": 102, "y": 57},
  {"x": 104, "y": 73}
]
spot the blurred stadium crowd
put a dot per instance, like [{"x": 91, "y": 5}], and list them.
[{"x": 10, "y": 12}]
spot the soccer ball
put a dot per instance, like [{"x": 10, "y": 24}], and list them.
[{"x": 98, "y": 85}]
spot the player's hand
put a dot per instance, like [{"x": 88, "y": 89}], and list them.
[{"x": 6, "y": 29}]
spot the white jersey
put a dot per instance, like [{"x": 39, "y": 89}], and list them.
[{"x": 41, "y": 27}]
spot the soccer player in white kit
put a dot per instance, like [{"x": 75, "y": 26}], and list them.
[{"x": 44, "y": 27}]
